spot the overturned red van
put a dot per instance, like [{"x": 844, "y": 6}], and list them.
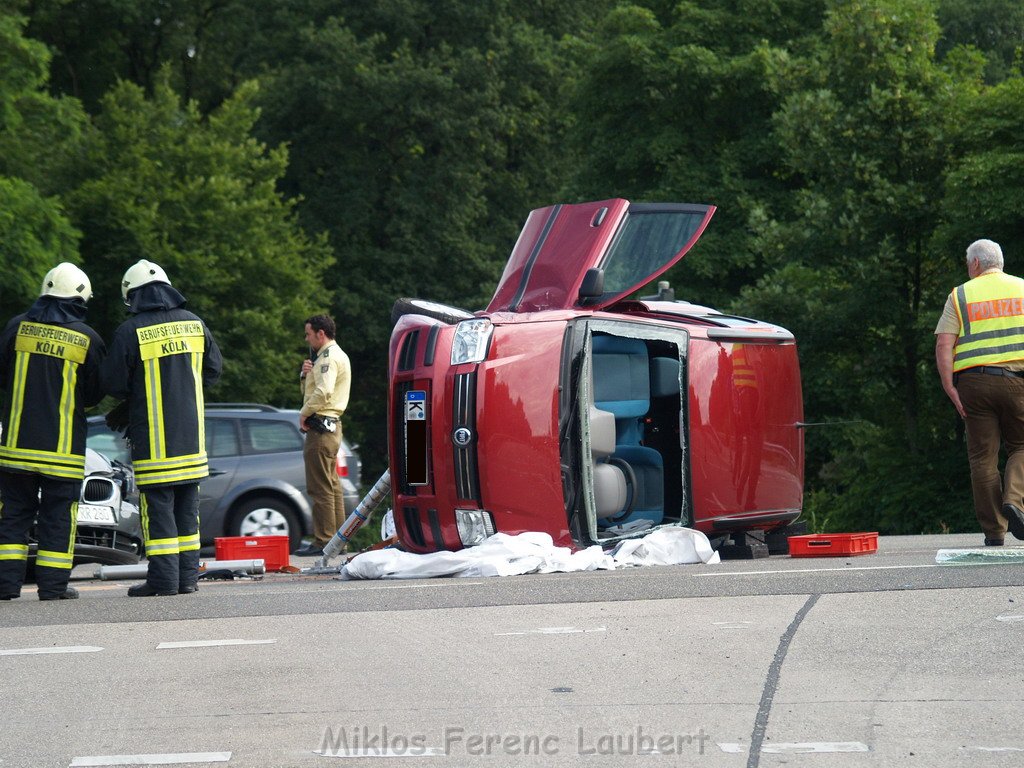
[{"x": 567, "y": 407}]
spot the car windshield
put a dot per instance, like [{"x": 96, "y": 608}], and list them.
[
  {"x": 111, "y": 445},
  {"x": 647, "y": 241}
]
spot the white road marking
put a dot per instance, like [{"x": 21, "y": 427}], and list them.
[
  {"x": 54, "y": 649},
  {"x": 995, "y": 749},
  {"x": 814, "y": 570},
  {"x": 1010, "y": 619},
  {"x": 158, "y": 759},
  {"x": 552, "y": 631},
  {"x": 210, "y": 643},
  {"x": 379, "y": 752},
  {"x": 800, "y": 747}
]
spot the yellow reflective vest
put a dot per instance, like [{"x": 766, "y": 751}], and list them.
[{"x": 991, "y": 312}]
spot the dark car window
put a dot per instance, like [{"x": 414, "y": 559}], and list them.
[
  {"x": 646, "y": 242},
  {"x": 221, "y": 438},
  {"x": 272, "y": 436}
]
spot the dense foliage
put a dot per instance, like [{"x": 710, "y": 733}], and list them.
[{"x": 282, "y": 157}]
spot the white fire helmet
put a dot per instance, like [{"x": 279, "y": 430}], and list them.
[
  {"x": 142, "y": 273},
  {"x": 66, "y": 281}
]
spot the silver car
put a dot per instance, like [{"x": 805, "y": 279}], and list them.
[{"x": 257, "y": 482}]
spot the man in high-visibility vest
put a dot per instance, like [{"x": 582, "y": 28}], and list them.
[
  {"x": 49, "y": 373},
  {"x": 159, "y": 361},
  {"x": 979, "y": 351}
]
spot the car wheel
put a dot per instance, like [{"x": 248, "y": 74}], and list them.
[
  {"x": 432, "y": 309},
  {"x": 267, "y": 516}
]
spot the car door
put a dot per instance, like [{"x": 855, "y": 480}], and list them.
[
  {"x": 223, "y": 447},
  {"x": 631, "y": 243}
]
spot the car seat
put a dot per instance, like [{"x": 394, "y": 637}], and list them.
[{"x": 622, "y": 386}]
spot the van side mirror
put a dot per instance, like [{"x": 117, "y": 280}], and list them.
[{"x": 592, "y": 286}]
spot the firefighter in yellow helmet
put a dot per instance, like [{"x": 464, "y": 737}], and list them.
[
  {"x": 49, "y": 373},
  {"x": 160, "y": 359}
]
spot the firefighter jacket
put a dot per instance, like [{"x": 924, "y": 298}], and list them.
[
  {"x": 991, "y": 312},
  {"x": 325, "y": 390},
  {"x": 49, "y": 373},
  {"x": 160, "y": 359}
]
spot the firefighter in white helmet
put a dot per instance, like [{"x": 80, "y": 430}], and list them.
[
  {"x": 49, "y": 373},
  {"x": 160, "y": 360}
]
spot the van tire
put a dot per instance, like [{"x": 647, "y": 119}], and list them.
[{"x": 442, "y": 312}]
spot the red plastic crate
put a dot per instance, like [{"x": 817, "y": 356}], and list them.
[
  {"x": 833, "y": 544},
  {"x": 273, "y": 550}
]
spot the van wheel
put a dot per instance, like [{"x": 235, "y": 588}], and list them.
[
  {"x": 267, "y": 516},
  {"x": 442, "y": 312}
]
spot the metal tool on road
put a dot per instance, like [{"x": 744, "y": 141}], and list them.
[
  {"x": 360, "y": 515},
  {"x": 139, "y": 570}
]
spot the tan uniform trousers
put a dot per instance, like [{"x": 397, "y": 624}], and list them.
[
  {"x": 323, "y": 486},
  {"x": 995, "y": 415}
]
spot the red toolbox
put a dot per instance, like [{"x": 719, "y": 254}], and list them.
[
  {"x": 833, "y": 544},
  {"x": 273, "y": 550}
]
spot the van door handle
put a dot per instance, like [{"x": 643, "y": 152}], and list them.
[{"x": 216, "y": 472}]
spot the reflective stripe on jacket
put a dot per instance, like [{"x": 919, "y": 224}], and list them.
[{"x": 991, "y": 312}]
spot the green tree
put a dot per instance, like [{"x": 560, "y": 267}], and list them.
[
  {"x": 864, "y": 133},
  {"x": 198, "y": 196},
  {"x": 674, "y": 103},
  {"x": 38, "y": 137}
]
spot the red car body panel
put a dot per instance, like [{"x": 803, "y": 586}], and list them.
[{"x": 511, "y": 436}]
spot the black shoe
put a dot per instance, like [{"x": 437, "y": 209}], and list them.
[
  {"x": 68, "y": 594},
  {"x": 10, "y": 595},
  {"x": 993, "y": 542},
  {"x": 187, "y": 589},
  {"x": 144, "y": 590},
  {"x": 310, "y": 550},
  {"x": 1014, "y": 520}
]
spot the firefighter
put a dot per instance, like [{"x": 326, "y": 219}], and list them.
[
  {"x": 49, "y": 373},
  {"x": 160, "y": 359}
]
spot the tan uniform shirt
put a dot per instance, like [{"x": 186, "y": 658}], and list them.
[{"x": 326, "y": 388}]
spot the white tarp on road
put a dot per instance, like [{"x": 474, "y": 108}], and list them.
[{"x": 504, "y": 555}]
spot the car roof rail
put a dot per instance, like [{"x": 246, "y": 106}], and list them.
[{"x": 242, "y": 406}]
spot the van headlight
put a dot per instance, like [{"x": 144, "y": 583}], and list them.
[
  {"x": 471, "y": 340},
  {"x": 475, "y": 525}
]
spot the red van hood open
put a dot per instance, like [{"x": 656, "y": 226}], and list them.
[{"x": 632, "y": 242}]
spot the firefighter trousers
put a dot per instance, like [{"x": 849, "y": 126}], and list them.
[
  {"x": 23, "y": 499},
  {"x": 170, "y": 525}
]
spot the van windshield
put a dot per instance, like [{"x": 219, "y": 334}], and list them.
[{"x": 647, "y": 240}]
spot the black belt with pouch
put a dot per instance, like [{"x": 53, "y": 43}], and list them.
[{"x": 322, "y": 424}]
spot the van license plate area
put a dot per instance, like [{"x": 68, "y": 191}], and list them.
[{"x": 416, "y": 437}]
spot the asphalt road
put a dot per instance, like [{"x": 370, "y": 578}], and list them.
[{"x": 884, "y": 659}]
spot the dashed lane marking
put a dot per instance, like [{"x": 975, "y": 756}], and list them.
[
  {"x": 552, "y": 631},
  {"x": 380, "y": 752},
  {"x": 54, "y": 649},
  {"x": 210, "y": 643},
  {"x": 155, "y": 759},
  {"x": 800, "y": 747}
]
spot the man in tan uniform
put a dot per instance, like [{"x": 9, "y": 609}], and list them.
[
  {"x": 326, "y": 380},
  {"x": 979, "y": 352}
]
